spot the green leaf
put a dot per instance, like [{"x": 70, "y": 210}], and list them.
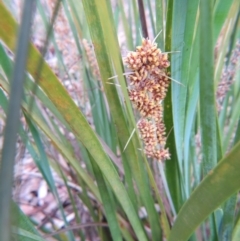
[
  {"x": 172, "y": 166},
  {"x": 108, "y": 203},
  {"x": 25, "y": 235},
  {"x": 227, "y": 225},
  {"x": 228, "y": 231},
  {"x": 236, "y": 231},
  {"x": 221, "y": 9},
  {"x": 222, "y": 182},
  {"x": 23, "y": 223},
  {"x": 184, "y": 28},
  {"x": 42, "y": 163},
  {"x": 207, "y": 90},
  {"x": 160, "y": 18},
  {"x": 13, "y": 119}
]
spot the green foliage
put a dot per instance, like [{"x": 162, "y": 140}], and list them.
[{"x": 196, "y": 190}]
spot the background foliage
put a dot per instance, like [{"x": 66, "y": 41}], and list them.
[{"x": 76, "y": 118}]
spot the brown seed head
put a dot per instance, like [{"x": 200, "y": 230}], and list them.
[{"x": 149, "y": 84}]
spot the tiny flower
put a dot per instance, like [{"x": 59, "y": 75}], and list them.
[
  {"x": 138, "y": 76},
  {"x": 134, "y": 61},
  {"x": 163, "y": 59},
  {"x": 149, "y": 84},
  {"x": 162, "y": 155}
]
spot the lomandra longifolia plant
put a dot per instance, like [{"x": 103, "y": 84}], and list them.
[
  {"x": 149, "y": 83},
  {"x": 76, "y": 133}
]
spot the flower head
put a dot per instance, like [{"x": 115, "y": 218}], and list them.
[{"x": 148, "y": 87}]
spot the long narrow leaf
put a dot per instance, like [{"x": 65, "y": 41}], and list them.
[
  {"x": 172, "y": 166},
  {"x": 13, "y": 120},
  {"x": 219, "y": 184},
  {"x": 207, "y": 91}
]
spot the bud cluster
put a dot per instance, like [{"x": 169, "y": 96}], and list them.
[
  {"x": 91, "y": 59},
  {"x": 149, "y": 83}
]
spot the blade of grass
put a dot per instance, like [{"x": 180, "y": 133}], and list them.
[
  {"x": 26, "y": 235},
  {"x": 192, "y": 101},
  {"x": 227, "y": 225},
  {"x": 207, "y": 94},
  {"x": 108, "y": 203},
  {"x": 101, "y": 116},
  {"x": 151, "y": 16},
  {"x": 231, "y": 125},
  {"x": 181, "y": 33},
  {"x": 126, "y": 26},
  {"x": 23, "y": 223},
  {"x": 72, "y": 200},
  {"x": 227, "y": 37},
  {"x": 13, "y": 120},
  {"x": 136, "y": 22},
  {"x": 207, "y": 91},
  {"x": 220, "y": 13},
  {"x": 185, "y": 23},
  {"x": 77, "y": 14},
  {"x": 164, "y": 220},
  {"x": 172, "y": 166},
  {"x": 160, "y": 19},
  {"x": 236, "y": 231},
  {"x": 190, "y": 121},
  {"x": 41, "y": 161},
  {"x": 59, "y": 56},
  {"x": 219, "y": 184}
]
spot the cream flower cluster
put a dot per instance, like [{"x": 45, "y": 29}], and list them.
[{"x": 148, "y": 87}]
